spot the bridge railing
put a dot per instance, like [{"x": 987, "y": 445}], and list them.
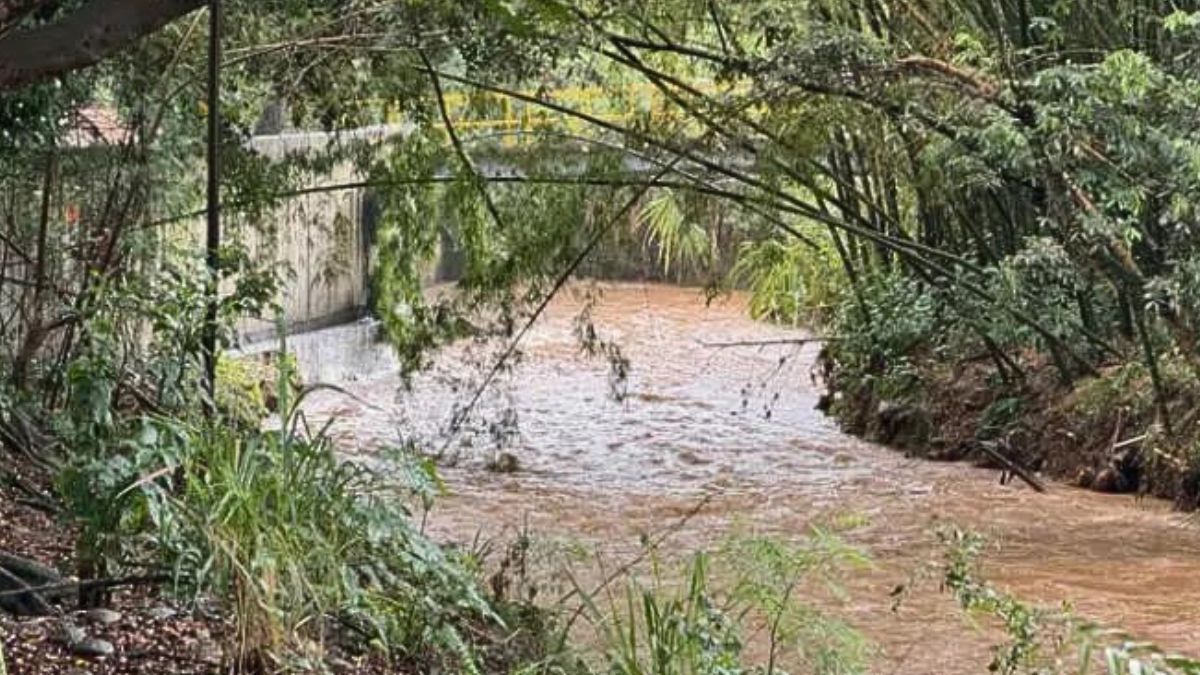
[{"x": 517, "y": 122}]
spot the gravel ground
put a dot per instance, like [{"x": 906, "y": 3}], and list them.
[{"x": 145, "y": 635}]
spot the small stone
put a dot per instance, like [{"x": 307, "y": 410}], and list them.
[
  {"x": 69, "y": 634},
  {"x": 93, "y": 647},
  {"x": 160, "y": 613},
  {"x": 79, "y": 671},
  {"x": 104, "y": 617}
]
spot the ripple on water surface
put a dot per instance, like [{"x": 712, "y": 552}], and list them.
[
  {"x": 690, "y": 414},
  {"x": 738, "y": 423}
]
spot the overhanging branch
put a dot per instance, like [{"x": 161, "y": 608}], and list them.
[{"x": 81, "y": 39}]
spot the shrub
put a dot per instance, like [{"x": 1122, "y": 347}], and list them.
[
  {"x": 881, "y": 330},
  {"x": 305, "y": 546},
  {"x": 300, "y": 546},
  {"x": 788, "y": 281}
]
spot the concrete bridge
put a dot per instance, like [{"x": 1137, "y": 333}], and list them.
[{"x": 325, "y": 237}]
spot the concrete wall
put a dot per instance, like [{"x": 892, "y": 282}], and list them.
[
  {"x": 319, "y": 239},
  {"x": 324, "y": 238}
]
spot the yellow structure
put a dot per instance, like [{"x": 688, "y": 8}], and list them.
[{"x": 515, "y": 121}]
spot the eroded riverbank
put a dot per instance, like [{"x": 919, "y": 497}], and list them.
[{"x": 737, "y": 424}]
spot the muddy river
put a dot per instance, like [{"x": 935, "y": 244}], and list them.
[{"x": 707, "y": 415}]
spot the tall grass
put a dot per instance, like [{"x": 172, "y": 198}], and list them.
[
  {"x": 306, "y": 546},
  {"x": 694, "y": 622},
  {"x": 683, "y": 633},
  {"x": 296, "y": 545}
]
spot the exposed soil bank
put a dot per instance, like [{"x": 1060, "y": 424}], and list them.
[
  {"x": 706, "y": 421},
  {"x": 1104, "y": 432}
]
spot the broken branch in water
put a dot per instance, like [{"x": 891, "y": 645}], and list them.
[
  {"x": 1012, "y": 467},
  {"x": 766, "y": 343}
]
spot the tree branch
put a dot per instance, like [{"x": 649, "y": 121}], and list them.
[
  {"x": 12, "y": 11},
  {"x": 81, "y": 39}
]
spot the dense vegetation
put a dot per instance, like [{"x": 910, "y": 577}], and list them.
[
  {"x": 975, "y": 197},
  {"x": 994, "y": 199}
]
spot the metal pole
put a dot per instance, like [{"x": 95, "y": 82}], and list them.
[{"x": 213, "y": 199}]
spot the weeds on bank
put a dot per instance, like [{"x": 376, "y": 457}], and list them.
[
  {"x": 660, "y": 626},
  {"x": 304, "y": 551},
  {"x": 309, "y": 547}
]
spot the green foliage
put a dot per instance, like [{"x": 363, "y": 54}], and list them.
[
  {"x": 897, "y": 317},
  {"x": 1027, "y": 627},
  {"x": 1127, "y": 386},
  {"x": 788, "y": 281},
  {"x": 1040, "y": 278},
  {"x": 696, "y": 627},
  {"x": 775, "y": 581},
  {"x": 298, "y": 537},
  {"x": 681, "y": 635},
  {"x": 405, "y": 245},
  {"x": 882, "y": 328},
  {"x": 240, "y": 391},
  {"x": 299, "y": 543},
  {"x": 99, "y": 488},
  {"x": 682, "y": 243},
  {"x": 121, "y": 390}
]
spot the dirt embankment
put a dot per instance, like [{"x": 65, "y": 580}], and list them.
[{"x": 1108, "y": 432}]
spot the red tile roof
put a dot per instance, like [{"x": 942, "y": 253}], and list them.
[{"x": 95, "y": 125}]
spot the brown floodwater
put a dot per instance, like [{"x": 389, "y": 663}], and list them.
[{"x": 735, "y": 424}]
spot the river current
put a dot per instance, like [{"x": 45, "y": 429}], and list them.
[{"x": 719, "y": 409}]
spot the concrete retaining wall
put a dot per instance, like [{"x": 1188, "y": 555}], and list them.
[{"x": 321, "y": 240}]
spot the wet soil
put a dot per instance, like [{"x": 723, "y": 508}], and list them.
[
  {"x": 149, "y": 635},
  {"x": 735, "y": 423}
]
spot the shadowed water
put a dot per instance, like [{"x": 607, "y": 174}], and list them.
[{"x": 736, "y": 423}]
